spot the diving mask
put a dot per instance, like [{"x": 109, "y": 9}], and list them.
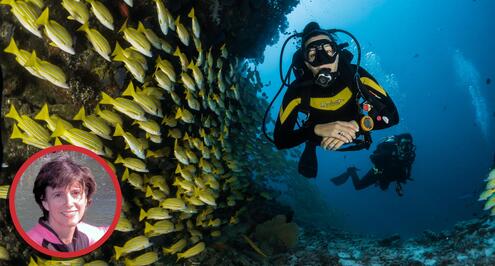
[{"x": 318, "y": 53}]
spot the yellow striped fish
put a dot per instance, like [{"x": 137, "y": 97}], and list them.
[
  {"x": 175, "y": 204},
  {"x": 26, "y": 139},
  {"x": 134, "y": 144},
  {"x": 134, "y": 244},
  {"x": 56, "y": 32},
  {"x": 155, "y": 213},
  {"x": 98, "y": 41},
  {"x": 149, "y": 104},
  {"x": 136, "y": 39},
  {"x": 176, "y": 247},
  {"x": 26, "y": 14},
  {"x": 82, "y": 138},
  {"x": 4, "y": 191},
  {"x": 110, "y": 116},
  {"x": 158, "y": 228},
  {"x": 125, "y": 106},
  {"x": 150, "y": 126},
  {"x": 29, "y": 126},
  {"x": 131, "y": 62},
  {"x": 77, "y": 10},
  {"x": 143, "y": 259},
  {"x": 102, "y": 13},
  {"x": 48, "y": 71},
  {"x": 182, "y": 32},
  {"x": 132, "y": 163},
  {"x": 193, "y": 251},
  {"x": 21, "y": 56},
  {"x": 96, "y": 124}
]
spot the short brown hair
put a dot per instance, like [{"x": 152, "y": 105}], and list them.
[{"x": 62, "y": 171}]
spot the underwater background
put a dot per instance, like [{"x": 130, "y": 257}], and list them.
[{"x": 434, "y": 58}]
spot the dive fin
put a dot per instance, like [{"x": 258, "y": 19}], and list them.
[{"x": 308, "y": 163}]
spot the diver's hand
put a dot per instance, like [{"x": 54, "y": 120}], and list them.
[
  {"x": 330, "y": 143},
  {"x": 341, "y": 130}
]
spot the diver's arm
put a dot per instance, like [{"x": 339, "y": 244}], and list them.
[
  {"x": 384, "y": 112},
  {"x": 285, "y": 136}
]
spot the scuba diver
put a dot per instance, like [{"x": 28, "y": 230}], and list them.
[
  {"x": 392, "y": 161},
  {"x": 328, "y": 91}
]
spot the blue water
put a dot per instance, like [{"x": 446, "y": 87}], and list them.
[{"x": 433, "y": 57}]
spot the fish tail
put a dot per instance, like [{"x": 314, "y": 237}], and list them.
[
  {"x": 118, "y": 53},
  {"x": 147, "y": 228},
  {"x": 149, "y": 192},
  {"x": 177, "y": 51},
  {"x": 140, "y": 27},
  {"x": 16, "y": 133},
  {"x": 59, "y": 129},
  {"x": 106, "y": 99},
  {"x": 12, "y": 47},
  {"x": 43, "y": 115},
  {"x": 119, "y": 159},
  {"x": 191, "y": 13},
  {"x": 13, "y": 114},
  {"x": 43, "y": 18},
  {"x": 150, "y": 153},
  {"x": 97, "y": 109},
  {"x": 118, "y": 252},
  {"x": 129, "y": 91},
  {"x": 178, "y": 114},
  {"x": 124, "y": 26},
  {"x": 84, "y": 27},
  {"x": 81, "y": 115},
  {"x": 57, "y": 142},
  {"x": 142, "y": 215},
  {"x": 118, "y": 130},
  {"x": 125, "y": 175}
]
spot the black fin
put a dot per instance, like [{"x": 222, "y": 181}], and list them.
[{"x": 308, "y": 163}]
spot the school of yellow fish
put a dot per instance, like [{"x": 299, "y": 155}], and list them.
[
  {"x": 203, "y": 104},
  {"x": 489, "y": 194}
]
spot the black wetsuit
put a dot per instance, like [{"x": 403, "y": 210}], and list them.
[{"x": 336, "y": 103}]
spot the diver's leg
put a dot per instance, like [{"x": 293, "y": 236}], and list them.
[
  {"x": 369, "y": 179},
  {"x": 308, "y": 163},
  {"x": 341, "y": 179}
]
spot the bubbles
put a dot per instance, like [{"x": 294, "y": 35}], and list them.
[{"x": 469, "y": 77}]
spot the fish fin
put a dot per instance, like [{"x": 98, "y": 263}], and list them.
[
  {"x": 12, "y": 47},
  {"x": 140, "y": 27},
  {"x": 43, "y": 114},
  {"x": 43, "y": 18},
  {"x": 119, "y": 131},
  {"x": 59, "y": 129},
  {"x": 149, "y": 192},
  {"x": 13, "y": 114},
  {"x": 84, "y": 27},
  {"x": 57, "y": 142},
  {"x": 119, "y": 159},
  {"x": 16, "y": 133},
  {"x": 125, "y": 175},
  {"x": 106, "y": 99},
  {"x": 118, "y": 252},
  {"x": 191, "y": 13},
  {"x": 81, "y": 115},
  {"x": 142, "y": 215},
  {"x": 147, "y": 228},
  {"x": 129, "y": 91},
  {"x": 124, "y": 26}
]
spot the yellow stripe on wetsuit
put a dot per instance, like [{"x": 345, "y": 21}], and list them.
[
  {"x": 371, "y": 83},
  {"x": 328, "y": 104}
]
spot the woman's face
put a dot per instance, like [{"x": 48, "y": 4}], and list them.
[{"x": 66, "y": 206}]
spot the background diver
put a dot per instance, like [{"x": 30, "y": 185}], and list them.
[
  {"x": 327, "y": 91},
  {"x": 392, "y": 161}
]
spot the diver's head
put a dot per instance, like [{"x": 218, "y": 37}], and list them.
[{"x": 320, "y": 52}]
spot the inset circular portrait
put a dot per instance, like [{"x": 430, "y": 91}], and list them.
[{"x": 66, "y": 201}]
